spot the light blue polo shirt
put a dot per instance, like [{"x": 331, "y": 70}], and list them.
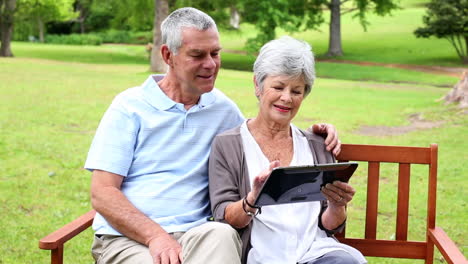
[{"x": 162, "y": 151}]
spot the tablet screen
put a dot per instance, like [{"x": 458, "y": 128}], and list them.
[{"x": 302, "y": 183}]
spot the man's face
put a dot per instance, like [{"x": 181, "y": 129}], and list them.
[{"x": 197, "y": 61}]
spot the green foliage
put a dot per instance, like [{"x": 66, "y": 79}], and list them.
[
  {"x": 128, "y": 37},
  {"x": 271, "y": 14},
  {"x": 99, "y": 16},
  {"x": 110, "y": 36},
  {"x": 31, "y": 12},
  {"x": 447, "y": 19},
  {"x": 217, "y": 9},
  {"x": 379, "y": 7},
  {"x": 135, "y": 15},
  {"x": 74, "y": 39},
  {"x": 299, "y": 15}
]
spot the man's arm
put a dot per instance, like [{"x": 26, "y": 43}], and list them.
[
  {"x": 111, "y": 203},
  {"x": 331, "y": 141}
]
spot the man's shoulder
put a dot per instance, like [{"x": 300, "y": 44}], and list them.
[
  {"x": 221, "y": 98},
  {"x": 128, "y": 95}
]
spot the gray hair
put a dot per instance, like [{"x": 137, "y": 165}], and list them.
[
  {"x": 186, "y": 17},
  {"x": 285, "y": 56}
]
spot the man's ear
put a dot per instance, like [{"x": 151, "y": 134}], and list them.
[
  {"x": 257, "y": 88},
  {"x": 166, "y": 54}
]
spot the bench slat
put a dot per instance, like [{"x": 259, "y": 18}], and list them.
[
  {"x": 388, "y": 248},
  {"x": 372, "y": 200},
  {"x": 415, "y": 155},
  {"x": 403, "y": 201}
]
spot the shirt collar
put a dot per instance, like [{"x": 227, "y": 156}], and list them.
[{"x": 157, "y": 98}]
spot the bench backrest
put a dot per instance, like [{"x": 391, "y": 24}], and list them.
[{"x": 404, "y": 157}]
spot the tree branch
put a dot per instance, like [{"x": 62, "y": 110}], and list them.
[
  {"x": 452, "y": 41},
  {"x": 349, "y": 10}
]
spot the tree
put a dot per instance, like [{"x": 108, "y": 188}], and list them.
[
  {"x": 83, "y": 7},
  {"x": 447, "y": 19},
  {"x": 298, "y": 15},
  {"x": 360, "y": 8},
  {"x": 7, "y": 10},
  {"x": 161, "y": 11},
  {"x": 41, "y": 12}
]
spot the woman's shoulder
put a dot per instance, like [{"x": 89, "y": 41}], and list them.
[
  {"x": 230, "y": 132},
  {"x": 311, "y": 136},
  {"x": 227, "y": 138}
]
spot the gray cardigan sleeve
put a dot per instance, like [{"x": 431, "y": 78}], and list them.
[{"x": 224, "y": 173}]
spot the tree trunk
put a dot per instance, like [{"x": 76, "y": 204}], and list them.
[
  {"x": 235, "y": 18},
  {"x": 82, "y": 26},
  {"x": 7, "y": 10},
  {"x": 459, "y": 93},
  {"x": 334, "y": 44},
  {"x": 40, "y": 27},
  {"x": 160, "y": 13},
  {"x": 465, "y": 58}
]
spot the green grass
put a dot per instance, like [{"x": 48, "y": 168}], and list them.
[
  {"x": 49, "y": 111},
  {"x": 127, "y": 55},
  {"x": 388, "y": 39}
]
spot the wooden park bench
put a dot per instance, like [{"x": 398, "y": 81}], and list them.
[{"x": 369, "y": 244}]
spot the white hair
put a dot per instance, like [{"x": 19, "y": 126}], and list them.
[
  {"x": 186, "y": 17},
  {"x": 285, "y": 56}
]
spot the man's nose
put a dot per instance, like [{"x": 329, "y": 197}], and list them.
[{"x": 209, "y": 62}]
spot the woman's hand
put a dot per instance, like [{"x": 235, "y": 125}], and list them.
[
  {"x": 339, "y": 193},
  {"x": 260, "y": 180},
  {"x": 236, "y": 213}
]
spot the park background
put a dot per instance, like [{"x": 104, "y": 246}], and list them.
[{"x": 384, "y": 90}]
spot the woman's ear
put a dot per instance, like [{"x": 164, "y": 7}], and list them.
[{"x": 257, "y": 88}]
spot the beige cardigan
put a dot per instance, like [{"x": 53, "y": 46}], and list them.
[{"x": 229, "y": 178}]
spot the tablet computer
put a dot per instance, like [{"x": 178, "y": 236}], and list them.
[{"x": 302, "y": 183}]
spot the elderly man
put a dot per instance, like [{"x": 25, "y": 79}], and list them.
[{"x": 149, "y": 156}]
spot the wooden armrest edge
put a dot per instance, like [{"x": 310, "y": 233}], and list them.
[
  {"x": 67, "y": 232},
  {"x": 446, "y": 246}
]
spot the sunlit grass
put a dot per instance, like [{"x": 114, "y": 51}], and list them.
[{"x": 49, "y": 111}]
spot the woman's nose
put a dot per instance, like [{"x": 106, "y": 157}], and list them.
[{"x": 286, "y": 96}]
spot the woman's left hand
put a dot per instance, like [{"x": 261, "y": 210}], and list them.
[{"x": 338, "y": 194}]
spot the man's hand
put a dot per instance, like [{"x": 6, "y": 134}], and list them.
[
  {"x": 165, "y": 250},
  {"x": 331, "y": 141}
]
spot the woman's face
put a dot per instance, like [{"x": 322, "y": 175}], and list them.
[{"x": 281, "y": 98}]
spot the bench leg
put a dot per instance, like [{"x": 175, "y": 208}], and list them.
[
  {"x": 429, "y": 252},
  {"x": 57, "y": 255}
]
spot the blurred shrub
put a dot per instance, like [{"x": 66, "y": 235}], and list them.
[
  {"x": 110, "y": 36},
  {"x": 127, "y": 37},
  {"x": 74, "y": 39}
]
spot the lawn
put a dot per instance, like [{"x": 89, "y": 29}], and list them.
[
  {"x": 388, "y": 39},
  {"x": 49, "y": 110}
]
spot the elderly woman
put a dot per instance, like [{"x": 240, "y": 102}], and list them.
[{"x": 242, "y": 158}]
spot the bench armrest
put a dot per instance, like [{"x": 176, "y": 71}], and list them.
[
  {"x": 446, "y": 246},
  {"x": 59, "y": 237}
]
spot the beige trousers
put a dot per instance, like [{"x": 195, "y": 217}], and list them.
[{"x": 211, "y": 242}]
